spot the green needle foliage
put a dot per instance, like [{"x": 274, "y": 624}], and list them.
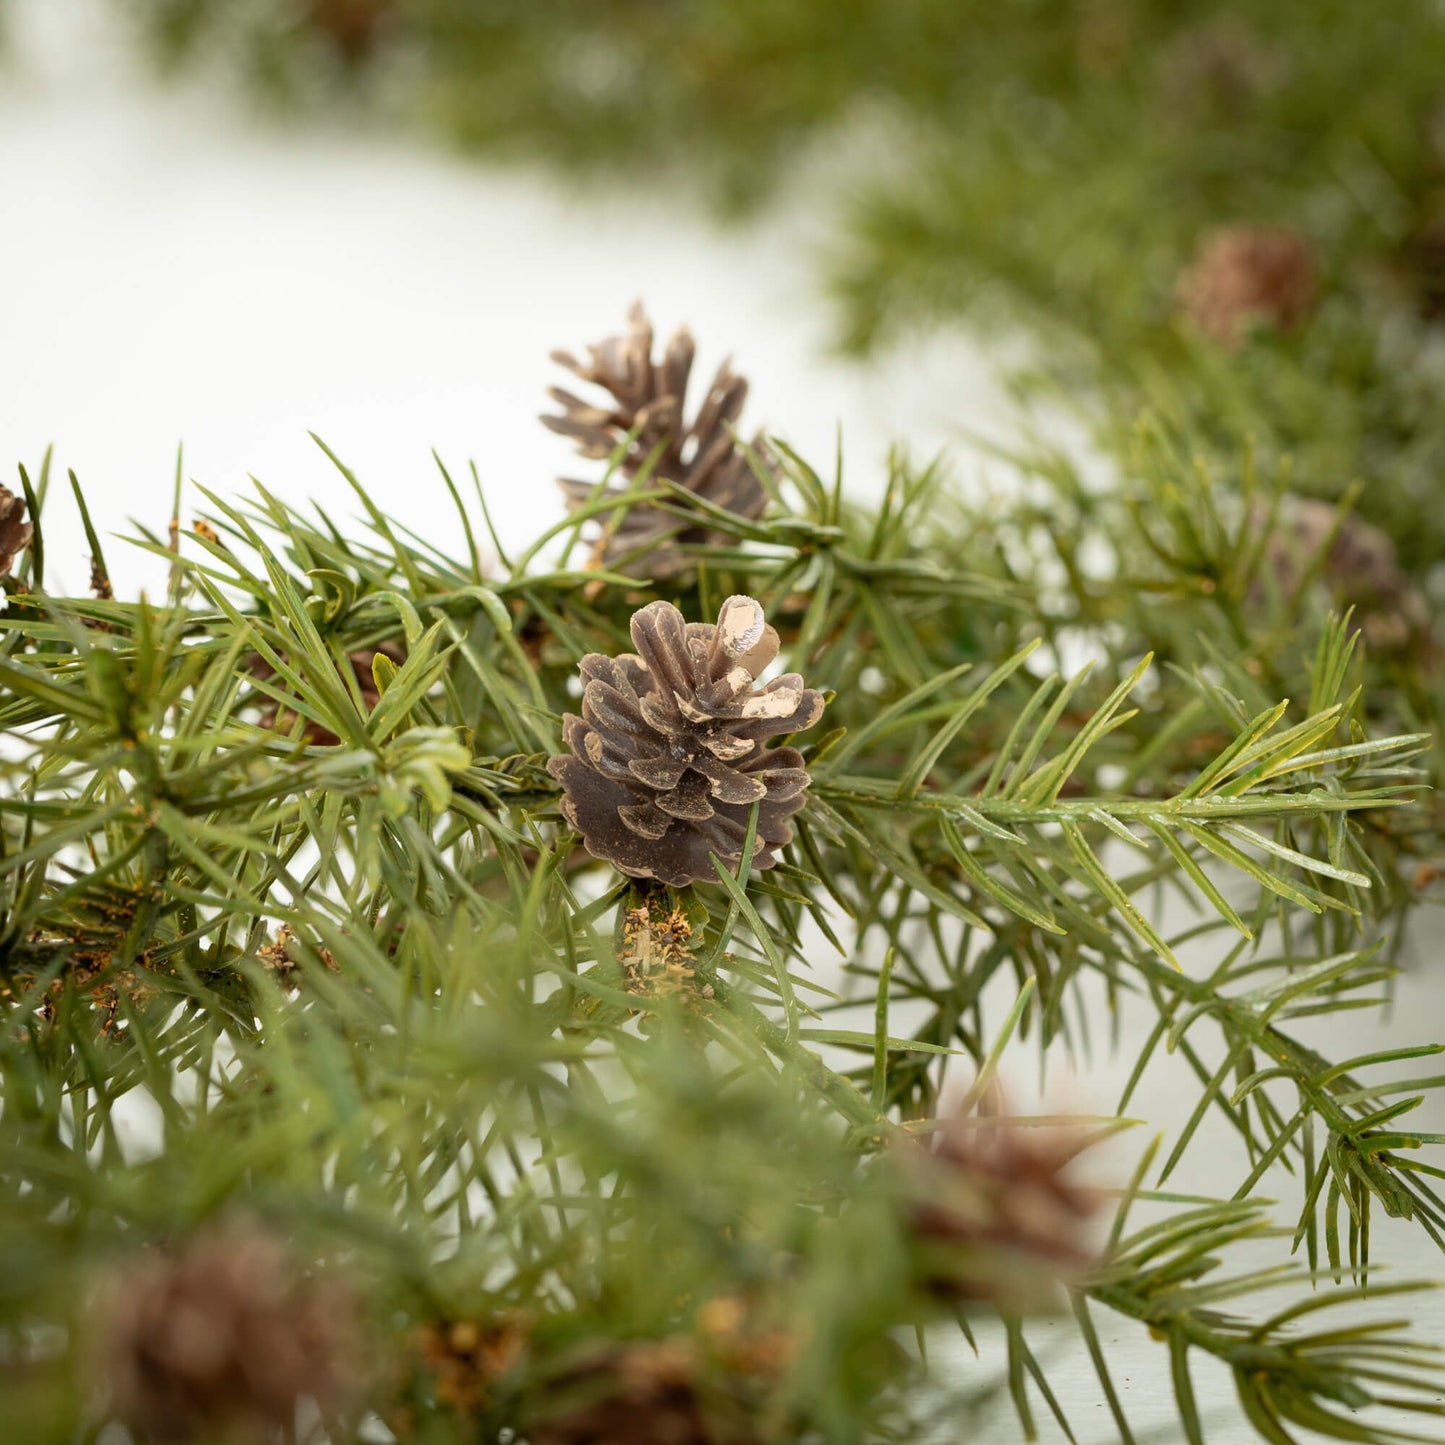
[
  {"x": 282, "y": 866},
  {"x": 1094, "y": 225},
  {"x": 281, "y": 860}
]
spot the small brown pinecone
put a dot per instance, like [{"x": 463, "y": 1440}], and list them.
[
  {"x": 669, "y": 754},
  {"x": 1421, "y": 261},
  {"x": 642, "y": 1393},
  {"x": 1103, "y": 40},
  {"x": 993, "y": 1216},
  {"x": 1249, "y": 276},
  {"x": 1216, "y": 71},
  {"x": 1361, "y": 568},
  {"x": 351, "y": 25},
  {"x": 15, "y": 531},
  {"x": 701, "y": 456},
  {"x": 220, "y": 1340}
]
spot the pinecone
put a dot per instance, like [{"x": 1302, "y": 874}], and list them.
[
  {"x": 1248, "y": 276},
  {"x": 1361, "y": 568},
  {"x": 220, "y": 1340},
  {"x": 668, "y": 756},
  {"x": 1421, "y": 259},
  {"x": 993, "y": 1216},
  {"x": 351, "y": 25},
  {"x": 1103, "y": 40},
  {"x": 1216, "y": 71},
  {"x": 15, "y": 531},
  {"x": 702, "y": 456},
  {"x": 642, "y": 1393}
]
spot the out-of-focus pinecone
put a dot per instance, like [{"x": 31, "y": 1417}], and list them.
[
  {"x": 1216, "y": 71},
  {"x": 351, "y": 26},
  {"x": 1248, "y": 276},
  {"x": 701, "y": 456},
  {"x": 1421, "y": 260},
  {"x": 669, "y": 754},
  {"x": 1361, "y": 568},
  {"x": 15, "y": 531},
  {"x": 642, "y": 1393},
  {"x": 992, "y": 1214},
  {"x": 221, "y": 1340},
  {"x": 1103, "y": 40}
]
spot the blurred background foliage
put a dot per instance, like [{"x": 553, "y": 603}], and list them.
[{"x": 1059, "y": 164}]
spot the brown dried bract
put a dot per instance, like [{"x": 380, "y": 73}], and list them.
[
  {"x": 668, "y": 756},
  {"x": 280, "y": 955},
  {"x": 656, "y": 955},
  {"x": 91, "y": 938},
  {"x": 650, "y": 397},
  {"x": 465, "y": 1358}
]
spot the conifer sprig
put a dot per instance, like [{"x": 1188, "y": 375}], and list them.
[{"x": 378, "y": 994}]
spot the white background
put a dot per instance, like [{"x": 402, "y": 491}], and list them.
[
  {"x": 179, "y": 268},
  {"x": 176, "y": 268}
]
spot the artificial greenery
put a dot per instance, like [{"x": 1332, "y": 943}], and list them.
[
  {"x": 283, "y": 857},
  {"x": 591, "y": 1154}
]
